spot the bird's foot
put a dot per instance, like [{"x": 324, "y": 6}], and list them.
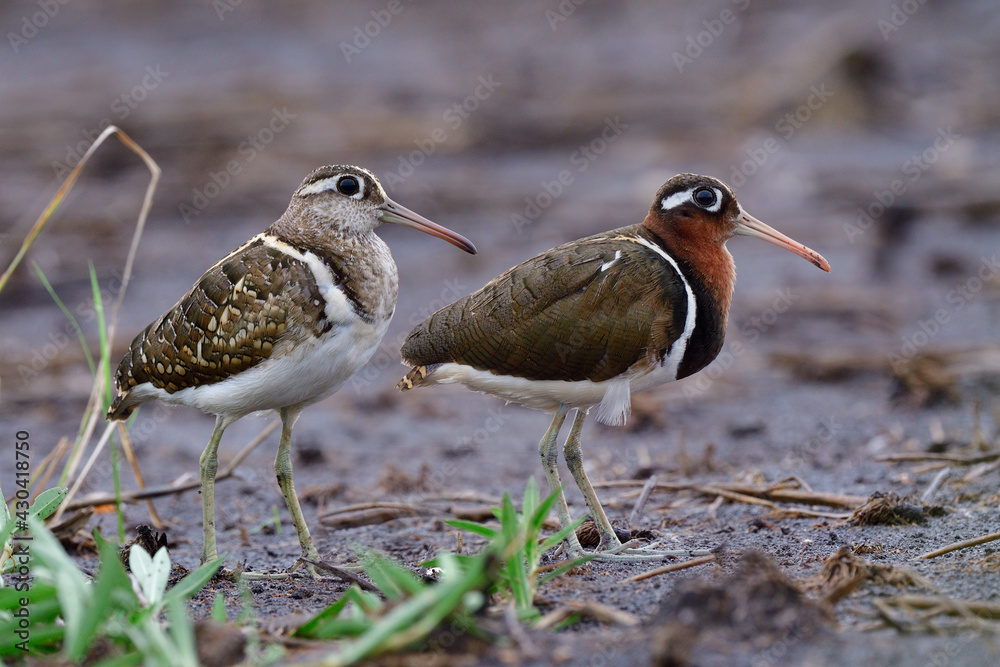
[
  {"x": 247, "y": 575},
  {"x": 630, "y": 551}
]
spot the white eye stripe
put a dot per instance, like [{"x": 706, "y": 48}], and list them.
[
  {"x": 681, "y": 198},
  {"x": 676, "y": 199},
  {"x": 331, "y": 184}
]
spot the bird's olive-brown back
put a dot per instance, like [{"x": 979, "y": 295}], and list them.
[{"x": 588, "y": 310}]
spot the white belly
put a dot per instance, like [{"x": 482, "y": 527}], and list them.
[
  {"x": 307, "y": 373},
  {"x": 613, "y": 395}
]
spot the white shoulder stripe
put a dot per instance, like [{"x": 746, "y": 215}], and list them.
[
  {"x": 673, "y": 359},
  {"x": 611, "y": 262},
  {"x": 337, "y": 308}
]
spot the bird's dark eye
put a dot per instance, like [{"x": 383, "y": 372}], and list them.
[
  {"x": 348, "y": 185},
  {"x": 705, "y": 197}
]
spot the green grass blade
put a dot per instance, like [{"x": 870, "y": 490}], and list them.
[
  {"x": 560, "y": 535},
  {"x": 68, "y": 314},
  {"x": 181, "y": 633},
  {"x": 102, "y": 331},
  {"x": 111, "y": 592},
  {"x": 192, "y": 583},
  {"x": 319, "y": 626},
  {"x": 413, "y": 619},
  {"x": 530, "y": 497},
  {"x": 219, "y": 608},
  {"x": 127, "y": 660},
  {"x": 394, "y": 580},
  {"x": 541, "y": 512},
  {"x": 73, "y": 592},
  {"x": 564, "y": 568},
  {"x": 105, "y": 375},
  {"x": 477, "y": 528}
]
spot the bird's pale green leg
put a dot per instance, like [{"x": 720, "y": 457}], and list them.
[
  {"x": 574, "y": 461},
  {"x": 283, "y": 470},
  {"x": 209, "y": 467},
  {"x": 610, "y": 547},
  {"x": 550, "y": 464}
]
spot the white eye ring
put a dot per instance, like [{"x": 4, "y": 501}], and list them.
[
  {"x": 687, "y": 197},
  {"x": 334, "y": 185},
  {"x": 358, "y": 182}
]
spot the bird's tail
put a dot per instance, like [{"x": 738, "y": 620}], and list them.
[
  {"x": 120, "y": 409},
  {"x": 414, "y": 378}
]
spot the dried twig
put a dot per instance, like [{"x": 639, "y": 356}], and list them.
[
  {"x": 673, "y": 567},
  {"x": 590, "y": 608},
  {"x": 955, "y": 546},
  {"x": 48, "y": 465},
  {"x": 67, "y": 185},
  {"x": 139, "y": 479},
  {"x": 345, "y": 575},
  {"x": 517, "y": 632},
  {"x": 935, "y": 484},
  {"x": 943, "y": 605},
  {"x": 640, "y": 504},
  {"x": 94, "y": 410},
  {"x": 83, "y": 475},
  {"x": 778, "y": 492},
  {"x": 365, "y": 514},
  {"x": 931, "y": 456},
  {"x": 980, "y": 470}
]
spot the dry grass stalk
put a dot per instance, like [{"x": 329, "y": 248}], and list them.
[
  {"x": 94, "y": 410},
  {"x": 947, "y": 458},
  {"x": 589, "y": 609},
  {"x": 955, "y": 546},
  {"x": 786, "y": 491},
  {"x": 673, "y": 567},
  {"x": 139, "y": 479}
]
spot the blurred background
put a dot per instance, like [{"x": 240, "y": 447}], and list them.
[{"x": 866, "y": 130}]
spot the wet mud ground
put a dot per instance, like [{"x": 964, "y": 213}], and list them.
[{"x": 898, "y": 122}]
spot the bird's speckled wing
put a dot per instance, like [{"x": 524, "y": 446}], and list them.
[
  {"x": 230, "y": 321},
  {"x": 583, "y": 311}
]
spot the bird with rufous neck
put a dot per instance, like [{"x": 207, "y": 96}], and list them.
[{"x": 589, "y": 323}]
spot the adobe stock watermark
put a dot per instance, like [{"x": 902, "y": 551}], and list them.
[
  {"x": 223, "y": 7},
  {"x": 562, "y": 12},
  {"x": 453, "y": 118},
  {"x": 955, "y": 300},
  {"x": 122, "y": 107},
  {"x": 248, "y": 150},
  {"x": 579, "y": 161},
  {"x": 899, "y": 14},
  {"x": 751, "y": 331},
  {"x": 364, "y": 34},
  {"x": 913, "y": 169},
  {"x": 464, "y": 448},
  {"x": 805, "y": 453},
  {"x": 786, "y": 126},
  {"x": 696, "y": 44},
  {"x": 34, "y": 23}
]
